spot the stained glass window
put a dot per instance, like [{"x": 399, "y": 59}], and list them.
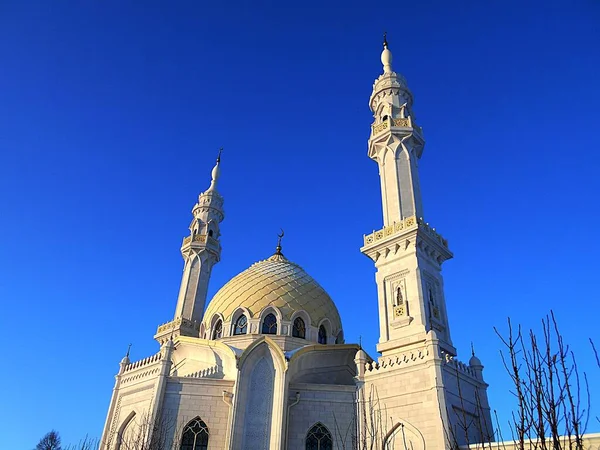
[
  {"x": 319, "y": 438},
  {"x": 299, "y": 329},
  {"x": 195, "y": 435},
  {"x": 241, "y": 325},
  {"x": 322, "y": 335},
  {"x": 218, "y": 330},
  {"x": 269, "y": 325}
]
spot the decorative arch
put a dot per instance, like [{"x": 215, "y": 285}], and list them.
[
  {"x": 271, "y": 310},
  {"x": 307, "y": 321},
  {"x": 240, "y": 326},
  {"x": 262, "y": 369},
  {"x": 269, "y": 324},
  {"x": 239, "y": 312},
  {"x": 299, "y": 328},
  {"x": 214, "y": 322},
  {"x": 217, "y": 330},
  {"x": 403, "y": 434},
  {"x": 318, "y": 437},
  {"x": 324, "y": 332},
  {"x": 195, "y": 435},
  {"x": 125, "y": 431},
  {"x": 267, "y": 313}
]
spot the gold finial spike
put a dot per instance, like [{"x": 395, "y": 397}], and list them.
[
  {"x": 219, "y": 156},
  {"x": 279, "y": 236},
  {"x": 128, "y": 349},
  {"x": 385, "y": 42},
  {"x": 472, "y": 349}
]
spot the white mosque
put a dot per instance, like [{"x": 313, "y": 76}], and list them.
[{"x": 265, "y": 364}]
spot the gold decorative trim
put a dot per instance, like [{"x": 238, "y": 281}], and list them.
[{"x": 396, "y": 227}]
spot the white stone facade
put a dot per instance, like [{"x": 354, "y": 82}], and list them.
[{"x": 265, "y": 365}]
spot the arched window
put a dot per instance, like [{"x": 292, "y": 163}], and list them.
[
  {"x": 218, "y": 330},
  {"x": 299, "y": 329},
  {"x": 319, "y": 438},
  {"x": 269, "y": 325},
  {"x": 241, "y": 325},
  {"x": 322, "y": 335},
  {"x": 195, "y": 435}
]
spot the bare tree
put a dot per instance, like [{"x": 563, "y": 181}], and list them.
[
  {"x": 51, "y": 441},
  {"x": 552, "y": 398},
  {"x": 145, "y": 433}
]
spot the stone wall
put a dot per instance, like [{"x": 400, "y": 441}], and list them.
[
  {"x": 186, "y": 398},
  {"x": 333, "y": 406}
]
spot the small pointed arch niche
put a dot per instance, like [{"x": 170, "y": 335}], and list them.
[
  {"x": 318, "y": 438},
  {"x": 195, "y": 435}
]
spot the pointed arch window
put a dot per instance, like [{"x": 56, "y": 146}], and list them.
[
  {"x": 269, "y": 325},
  {"x": 322, "y": 335},
  {"x": 319, "y": 438},
  {"x": 299, "y": 329},
  {"x": 241, "y": 325},
  {"x": 195, "y": 435},
  {"x": 218, "y": 330}
]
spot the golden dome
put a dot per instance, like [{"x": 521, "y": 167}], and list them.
[{"x": 276, "y": 282}]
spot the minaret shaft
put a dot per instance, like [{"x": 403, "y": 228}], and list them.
[
  {"x": 408, "y": 254},
  {"x": 201, "y": 250},
  {"x": 194, "y": 287}
]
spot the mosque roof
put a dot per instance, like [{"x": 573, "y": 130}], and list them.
[{"x": 277, "y": 282}]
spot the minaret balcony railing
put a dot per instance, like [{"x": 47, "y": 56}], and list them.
[
  {"x": 406, "y": 224},
  {"x": 201, "y": 238},
  {"x": 399, "y": 122}
]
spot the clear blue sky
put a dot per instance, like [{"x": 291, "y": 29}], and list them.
[{"x": 111, "y": 114}]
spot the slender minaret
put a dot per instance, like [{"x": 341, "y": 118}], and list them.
[
  {"x": 407, "y": 252},
  {"x": 201, "y": 250}
]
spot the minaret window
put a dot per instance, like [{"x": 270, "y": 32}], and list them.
[
  {"x": 322, "y": 335},
  {"x": 210, "y": 233},
  {"x": 241, "y": 325},
  {"x": 299, "y": 329},
  {"x": 195, "y": 435},
  {"x": 269, "y": 325},
  {"x": 218, "y": 330},
  {"x": 319, "y": 438}
]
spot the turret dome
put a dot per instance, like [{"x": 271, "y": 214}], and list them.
[{"x": 279, "y": 285}]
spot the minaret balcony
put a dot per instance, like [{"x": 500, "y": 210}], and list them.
[
  {"x": 201, "y": 239},
  {"x": 402, "y": 226},
  {"x": 401, "y": 124}
]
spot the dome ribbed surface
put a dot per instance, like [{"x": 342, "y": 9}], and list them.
[{"x": 274, "y": 282}]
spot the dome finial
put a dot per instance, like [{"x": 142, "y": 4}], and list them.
[
  {"x": 386, "y": 56},
  {"x": 279, "y": 237}
]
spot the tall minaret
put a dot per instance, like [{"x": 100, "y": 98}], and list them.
[
  {"x": 201, "y": 250},
  {"x": 407, "y": 252}
]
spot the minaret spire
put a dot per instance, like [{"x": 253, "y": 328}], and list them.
[
  {"x": 201, "y": 250},
  {"x": 386, "y": 56}
]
